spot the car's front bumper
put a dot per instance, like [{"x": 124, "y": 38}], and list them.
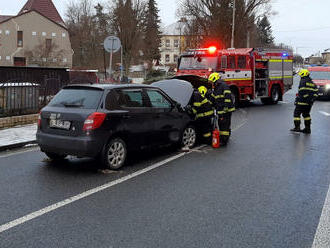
[
  {"x": 323, "y": 91},
  {"x": 84, "y": 146}
]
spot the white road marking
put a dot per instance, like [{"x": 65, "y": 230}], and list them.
[
  {"x": 322, "y": 235},
  {"x": 85, "y": 194},
  {"x": 324, "y": 113}
]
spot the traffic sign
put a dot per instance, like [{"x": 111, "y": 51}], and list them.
[{"x": 112, "y": 44}]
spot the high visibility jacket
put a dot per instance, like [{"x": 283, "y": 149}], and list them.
[
  {"x": 221, "y": 98},
  {"x": 201, "y": 106},
  {"x": 307, "y": 92}
]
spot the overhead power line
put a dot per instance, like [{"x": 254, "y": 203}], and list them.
[{"x": 303, "y": 30}]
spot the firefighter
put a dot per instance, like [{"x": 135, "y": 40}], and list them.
[
  {"x": 223, "y": 104},
  {"x": 307, "y": 93},
  {"x": 202, "y": 108}
]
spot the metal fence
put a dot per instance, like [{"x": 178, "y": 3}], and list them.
[{"x": 18, "y": 98}]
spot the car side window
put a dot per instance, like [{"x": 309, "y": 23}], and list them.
[
  {"x": 111, "y": 101},
  {"x": 157, "y": 100},
  {"x": 130, "y": 98}
]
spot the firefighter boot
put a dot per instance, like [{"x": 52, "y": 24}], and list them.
[
  {"x": 307, "y": 129},
  {"x": 296, "y": 127}
]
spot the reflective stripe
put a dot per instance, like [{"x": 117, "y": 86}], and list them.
[
  {"x": 310, "y": 84},
  {"x": 280, "y": 77},
  {"x": 302, "y": 103},
  {"x": 231, "y": 109},
  {"x": 207, "y": 135},
  {"x": 306, "y": 95},
  {"x": 275, "y": 60},
  {"x": 198, "y": 104},
  {"x": 296, "y": 119},
  {"x": 218, "y": 96},
  {"x": 194, "y": 111},
  {"x": 315, "y": 95},
  {"x": 205, "y": 114},
  {"x": 307, "y": 88},
  {"x": 227, "y": 92},
  {"x": 228, "y": 100},
  {"x": 307, "y": 118},
  {"x": 226, "y": 133},
  {"x": 221, "y": 112},
  {"x": 237, "y": 79}
]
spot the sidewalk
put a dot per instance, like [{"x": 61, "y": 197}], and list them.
[{"x": 17, "y": 136}]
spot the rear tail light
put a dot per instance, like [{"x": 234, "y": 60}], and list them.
[
  {"x": 39, "y": 120},
  {"x": 94, "y": 121}
]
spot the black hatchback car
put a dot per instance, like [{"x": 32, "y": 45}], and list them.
[{"x": 106, "y": 121}]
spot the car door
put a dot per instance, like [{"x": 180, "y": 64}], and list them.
[
  {"x": 136, "y": 123},
  {"x": 168, "y": 121}
]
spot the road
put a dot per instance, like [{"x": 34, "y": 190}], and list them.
[{"x": 268, "y": 188}]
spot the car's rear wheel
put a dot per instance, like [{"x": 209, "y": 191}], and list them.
[
  {"x": 55, "y": 157},
  {"x": 189, "y": 137},
  {"x": 115, "y": 153}
]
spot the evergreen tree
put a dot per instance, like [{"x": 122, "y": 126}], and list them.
[
  {"x": 264, "y": 30},
  {"x": 152, "y": 32}
]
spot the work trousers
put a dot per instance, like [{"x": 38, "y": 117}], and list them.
[
  {"x": 224, "y": 127},
  {"x": 205, "y": 127},
  {"x": 303, "y": 110}
]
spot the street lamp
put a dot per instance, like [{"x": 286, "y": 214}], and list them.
[{"x": 233, "y": 24}]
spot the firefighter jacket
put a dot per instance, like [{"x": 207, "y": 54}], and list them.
[
  {"x": 221, "y": 98},
  {"x": 307, "y": 92},
  {"x": 202, "y": 107}
]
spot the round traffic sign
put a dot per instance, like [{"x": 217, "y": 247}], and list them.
[{"x": 112, "y": 44}]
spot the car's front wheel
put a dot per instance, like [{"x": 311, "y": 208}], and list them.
[
  {"x": 114, "y": 154},
  {"x": 189, "y": 137}
]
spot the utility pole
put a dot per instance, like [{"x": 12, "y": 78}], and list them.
[{"x": 233, "y": 24}]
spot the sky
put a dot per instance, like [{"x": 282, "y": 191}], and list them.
[{"x": 302, "y": 24}]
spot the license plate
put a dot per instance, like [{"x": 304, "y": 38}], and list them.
[{"x": 60, "y": 124}]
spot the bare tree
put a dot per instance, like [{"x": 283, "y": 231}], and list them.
[
  {"x": 210, "y": 20},
  {"x": 127, "y": 24}
]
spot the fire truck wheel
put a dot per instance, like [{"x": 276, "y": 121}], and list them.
[
  {"x": 235, "y": 97},
  {"x": 275, "y": 94}
]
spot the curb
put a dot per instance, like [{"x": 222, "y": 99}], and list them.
[{"x": 17, "y": 145}]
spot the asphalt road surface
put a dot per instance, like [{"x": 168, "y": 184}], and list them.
[{"x": 268, "y": 188}]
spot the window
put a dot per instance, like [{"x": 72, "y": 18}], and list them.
[
  {"x": 0, "y": 58},
  {"x": 65, "y": 60},
  {"x": 167, "y": 58},
  {"x": 19, "y": 38},
  {"x": 48, "y": 44},
  {"x": 63, "y": 34},
  {"x": 53, "y": 34},
  {"x": 7, "y": 32},
  {"x": 130, "y": 98},
  {"x": 7, "y": 57},
  {"x": 176, "y": 43},
  {"x": 0, "y": 31},
  {"x": 241, "y": 63},
  {"x": 34, "y": 33},
  {"x": 55, "y": 60},
  {"x": 167, "y": 43},
  {"x": 44, "y": 59},
  {"x": 157, "y": 100},
  {"x": 44, "y": 33},
  {"x": 231, "y": 62},
  {"x": 176, "y": 58},
  {"x": 223, "y": 62}
]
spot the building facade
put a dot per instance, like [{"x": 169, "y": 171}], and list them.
[
  {"x": 37, "y": 36},
  {"x": 172, "y": 44},
  {"x": 326, "y": 56}
]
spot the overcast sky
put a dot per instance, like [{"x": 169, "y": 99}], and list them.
[{"x": 302, "y": 24}]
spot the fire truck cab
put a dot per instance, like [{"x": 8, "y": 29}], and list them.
[{"x": 264, "y": 74}]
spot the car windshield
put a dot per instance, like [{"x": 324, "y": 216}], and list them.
[
  {"x": 198, "y": 63},
  {"x": 320, "y": 75},
  {"x": 80, "y": 98}
]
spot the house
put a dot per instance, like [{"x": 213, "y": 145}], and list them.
[
  {"x": 326, "y": 56},
  {"x": 36, "y": 36},
  {"x": 172, "y": 43}
]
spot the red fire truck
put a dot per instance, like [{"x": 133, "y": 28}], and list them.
[{"x": 251, "y": 73}]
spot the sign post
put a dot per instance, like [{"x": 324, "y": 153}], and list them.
[{"x": 112, "y": 45}]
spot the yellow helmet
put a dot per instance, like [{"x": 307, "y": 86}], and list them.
[
  {"x": 214, "y": 77},
  {"x": 303, "y": 73},
  {"x": 202, "y": 90}
]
